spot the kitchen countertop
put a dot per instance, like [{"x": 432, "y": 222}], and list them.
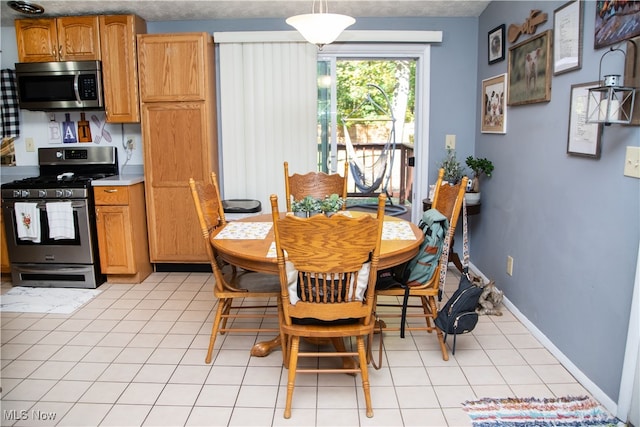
[{"x": 118, "y": 180}]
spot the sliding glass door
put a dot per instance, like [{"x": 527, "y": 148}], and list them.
[{"x": 370, "y": 102}]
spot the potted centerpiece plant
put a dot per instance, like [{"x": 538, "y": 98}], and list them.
[
  {"x": 306, "y": 207},
  {"x": 331, "y": 204},
  {"x": 479, "y": 167}
]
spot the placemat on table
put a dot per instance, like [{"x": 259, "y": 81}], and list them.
[{"x": 244, "y": 230}]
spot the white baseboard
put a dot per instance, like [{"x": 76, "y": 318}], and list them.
[{"x": 591, "y": 387}]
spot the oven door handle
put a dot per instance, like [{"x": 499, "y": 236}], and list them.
[{"x": 75, "y": 204}]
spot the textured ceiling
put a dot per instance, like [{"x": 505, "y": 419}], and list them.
[{"x": 179, "y": 10}]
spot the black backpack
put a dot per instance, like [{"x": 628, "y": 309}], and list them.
[{"x": 458, "y": 315}]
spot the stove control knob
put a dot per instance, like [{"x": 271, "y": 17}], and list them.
[
  {"x": 59, "y": 193},
  {"x": 25, "y": 194},
  {"x": 42, "y": 194},
  {"x": 68, "y": 193}
]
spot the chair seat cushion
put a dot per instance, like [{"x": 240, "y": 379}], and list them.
[{"x": 295, "y": 290}]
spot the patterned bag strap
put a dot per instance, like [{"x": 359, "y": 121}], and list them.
[
  {"x": 444, "y": 257},
  {"x": 465, "y": 238}
]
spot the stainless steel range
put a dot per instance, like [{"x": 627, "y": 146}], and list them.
[{"x": 50, "y": 219}]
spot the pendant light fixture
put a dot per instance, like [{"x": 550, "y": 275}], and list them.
[
  {"x": 26, "y": 7},
  {"x": 320, "y": 27}
]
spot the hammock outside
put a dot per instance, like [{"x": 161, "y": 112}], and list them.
[{"x": 369, "y": 178}]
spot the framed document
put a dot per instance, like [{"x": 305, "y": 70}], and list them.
[
  {"x": 584, "y": 138},
  {"x": 567, "y": 37}
]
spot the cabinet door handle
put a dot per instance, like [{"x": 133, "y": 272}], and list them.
[
  {"x": 111, "y": 191},
  {"x": 60, "y": 52}
]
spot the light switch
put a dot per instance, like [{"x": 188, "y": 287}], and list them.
[
  {"x": 450, "y": 142},
  {"x": 632, "y": 162},
  {"x": 29, "y": 145}
]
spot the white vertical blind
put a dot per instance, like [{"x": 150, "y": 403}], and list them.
[{"x": 268, "y": 113}]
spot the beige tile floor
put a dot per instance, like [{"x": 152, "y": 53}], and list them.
[{"x": 134, "y": 356}]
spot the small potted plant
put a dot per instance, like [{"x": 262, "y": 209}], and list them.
[
  {"x": 306, "y": 207},
  {"x": 298, "y": 209},
  {"x": 453, "y": 170},
  {"x": 331, "y": 204},
  {"x": 479, "y": 166}
]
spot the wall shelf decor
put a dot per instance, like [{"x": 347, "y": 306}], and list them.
[{"x": 529, "y": 26}]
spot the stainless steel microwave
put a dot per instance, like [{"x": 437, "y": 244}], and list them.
[{"x": 68, "y": 85}]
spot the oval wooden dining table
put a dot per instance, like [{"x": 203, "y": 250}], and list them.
[{"x": 249, "y": 243}]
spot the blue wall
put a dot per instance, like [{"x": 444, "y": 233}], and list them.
[{"x": 571, "y": 224}]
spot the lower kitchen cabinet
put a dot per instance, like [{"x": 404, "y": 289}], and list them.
[
  {"x": 5, "y": 265},
  {"x": 122, "y": 233}
]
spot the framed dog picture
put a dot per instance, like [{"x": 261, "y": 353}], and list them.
[
  {"x": 494, "y": 107},
  {"x": 495, "y": 42},
  {"x": 530, "y": 70}
]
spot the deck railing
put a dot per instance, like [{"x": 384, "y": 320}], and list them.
[{"x": 401, "y": 179}]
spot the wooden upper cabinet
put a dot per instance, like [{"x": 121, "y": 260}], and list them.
[
  {"x": 171, "y": 67},
  {"x": 79, "y": 38},
  {"x": 69, "y": 38},
  {"x": 120, "y": 66},
  {"x": 37, "y": 40}
]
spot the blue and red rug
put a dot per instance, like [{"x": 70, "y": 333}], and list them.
[{"x": 530, "y": 412}]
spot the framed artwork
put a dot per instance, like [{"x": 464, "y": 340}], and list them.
[
  {"x": 616, "y": 21},
  {"x": 495, "y": 42},
  {"x": 567, "y": 37},
  {"x": 530, "y": 70},
  {"x": 494, "y": 107},
  {"x": 584, "y": 138}
]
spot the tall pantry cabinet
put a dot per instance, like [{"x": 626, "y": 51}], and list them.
[{"x": 177, "y": 95}]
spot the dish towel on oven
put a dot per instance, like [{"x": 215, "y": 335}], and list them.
[
  {"x": 27, "y": 221},
  {"x": 9, "y": 105},
  {"x": 60, "y": 220}
]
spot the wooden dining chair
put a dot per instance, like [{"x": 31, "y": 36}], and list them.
[
  {"x": 232, "y": 285},
  {"x": 315, "y": 184},
  {"x": 447, "y": 200},
  {"x": 327, "y": 280}
]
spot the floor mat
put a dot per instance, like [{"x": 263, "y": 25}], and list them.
[
  {"x": 45, "y": 300},
  {"x": 520, "y": 412}
]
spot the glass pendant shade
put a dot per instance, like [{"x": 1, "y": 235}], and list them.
[{"x": 320, "y": 28}]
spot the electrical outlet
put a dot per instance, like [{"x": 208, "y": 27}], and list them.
[
  {"x": 450, "y": 142},
  {"x": 632, "y": 162},
  {"x": 30, "y": 145},
  {"x": 510, "y": 265},
  {"x": 130, "y": 142}
]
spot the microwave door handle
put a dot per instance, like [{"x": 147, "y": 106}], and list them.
[{"x": 76, "y": 89}]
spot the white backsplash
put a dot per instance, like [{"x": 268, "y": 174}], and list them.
[{"x": 35, "y": 125}]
